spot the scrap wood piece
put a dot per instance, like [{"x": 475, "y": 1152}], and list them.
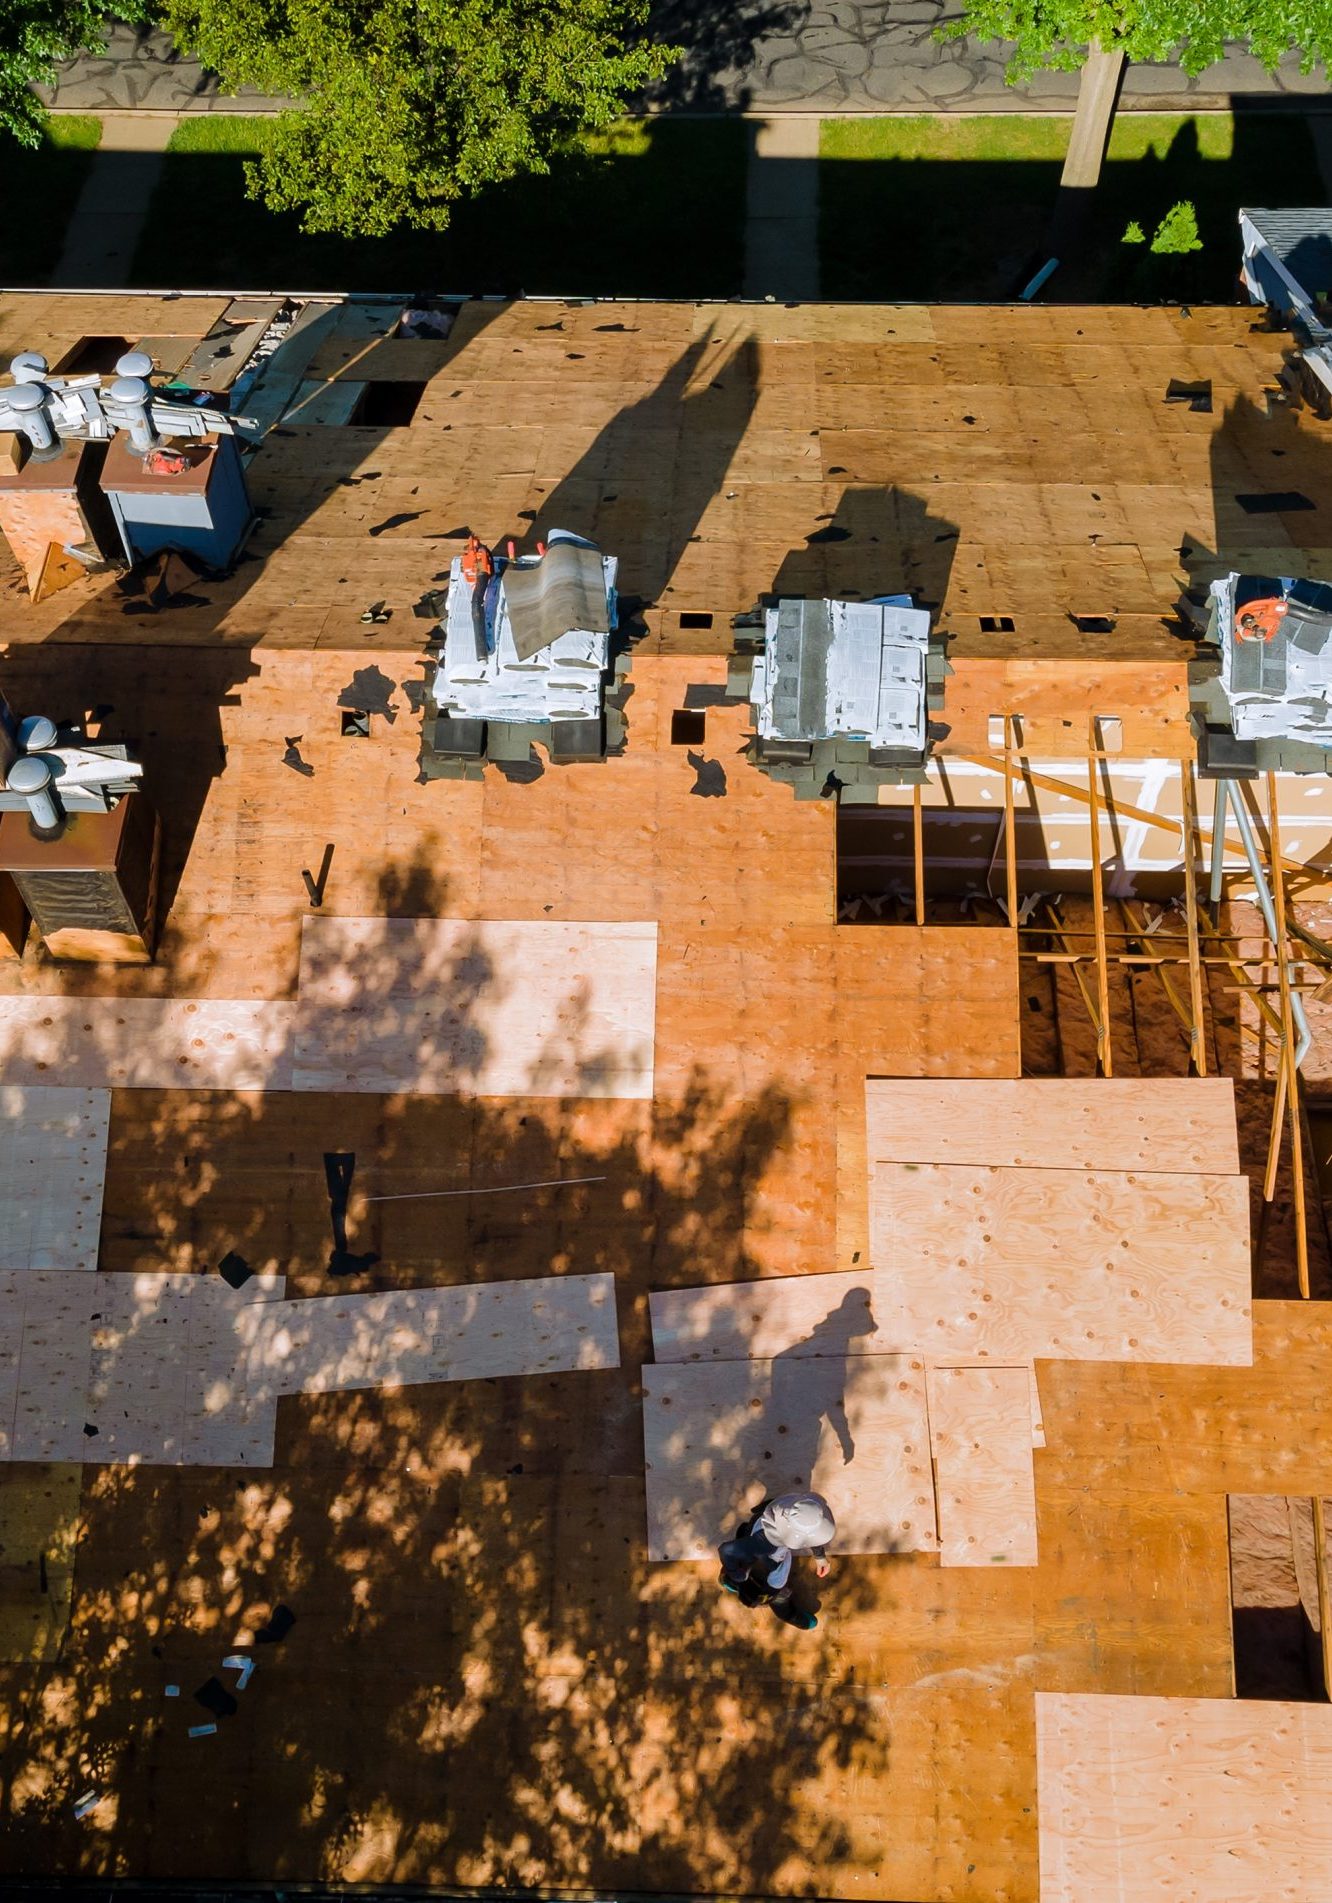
[
  {"x": 1063, "y": 1264},
  {"x": 477, "y": 1331},
  {"x": 1144, "y": 1800},
  {"x": 1175, "y": 1124},
  {"x": 981, "y": 1441},
  {"x": 719, "y": 1437},
  {"x": 147, "y": 1043},
  {"x": 52, "y": 1175},
  {"x": 475, "y": 1007}
]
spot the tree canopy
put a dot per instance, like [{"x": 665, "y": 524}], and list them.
[
  {"x": 34, "y": 35},
  {"x": 1188, "y": 33},
  {"x": 405, "y": 106}
]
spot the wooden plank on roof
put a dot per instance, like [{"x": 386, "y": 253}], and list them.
[
  {"x": 719, "y": 1437},
  {"x": 1177, "y": 1124},
  {"x": 981, "y": 1442},
  {"x": 477, "y": 1007},
  {"x": 470, "y": 1332},
  {"x": 54, "y": 1354},
  {"x": 1183, "y": 1800},
  {"x": 146, "y": 1043},
  {"x": 1065, "y": 1264},
  {"x": 52, "y": 1172}
]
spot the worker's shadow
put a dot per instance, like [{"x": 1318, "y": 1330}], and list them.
[{"x": 788, "y": 1448}]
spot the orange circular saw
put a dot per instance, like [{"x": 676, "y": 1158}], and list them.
[{"x": 1260, "y": 620}]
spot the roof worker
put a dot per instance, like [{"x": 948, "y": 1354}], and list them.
[{"x": 756, "y": 1564}]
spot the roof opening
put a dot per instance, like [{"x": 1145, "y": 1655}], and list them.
[
  {"x": 355, "y": 724},
  {"x": 390, "y": 405},
  {"x": 92, "y": 356},
  {"x": 1094, "y": 624},
  {"x": 693, "y": 618},
  {"x": 688, "y": 727},
  {"x": 996, "y": 624}
]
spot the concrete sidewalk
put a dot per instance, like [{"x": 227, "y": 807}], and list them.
[
  {"x": 782, "y": 209},
  {"x": 104, "y": 230},
  {"x": 837, "y": 56}
]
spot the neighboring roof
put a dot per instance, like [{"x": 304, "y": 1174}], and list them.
[{"x": 1300, "y": 240}]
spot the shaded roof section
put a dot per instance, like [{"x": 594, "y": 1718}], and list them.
[{"x": 1015, "y": 468}]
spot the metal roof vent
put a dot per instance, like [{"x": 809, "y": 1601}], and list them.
[
  {"x": 31, "y": 778},
  {"x": 127, "y": 405}
]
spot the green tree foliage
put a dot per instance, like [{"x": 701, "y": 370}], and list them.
[
  {"x": 34, "y": 35},
  {"x": 1133, "y": 233},
  {"x": 1177, "y": 232},
  {"x": 406, "y": 106},
  {"x": 1189, "y": 33}
]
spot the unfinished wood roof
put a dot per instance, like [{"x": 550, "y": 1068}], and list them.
[
  {"x": 1008, "y": 463},
  {"x": 487, "y": 1681}
]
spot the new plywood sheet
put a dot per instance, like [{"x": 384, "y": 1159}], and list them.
[
  {"x": 981, "y": 1440},
  {"x": 52, "y": 1172},
  {"x": 779, "y": 1315},
  {"x": 477, "y": 1008},
  {"x": 784, "y": 1315},
  {"x": 133, "y": 1357},
  {"x": 1062, "y": 1264},
  {"x": 147, "y": 1043},
  {"x": 225, "y": 1423},
  {"x": 719, "y": 1437},
  {"x": 1183, "y": 1800},
  {"x": 475, "y": 1332},
  {"x": 1109, "y": 1123},
  {"x": 137, "y": 1370},
  {"x": 50, "y": 1313}
]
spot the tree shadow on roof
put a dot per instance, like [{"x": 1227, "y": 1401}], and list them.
[{"x": 485, "y": 1681}]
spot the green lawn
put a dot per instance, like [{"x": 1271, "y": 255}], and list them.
[
  {"x": 620, "y": 214},
  {"x": 920, "y": 208},
  {"x": 41, "y": 189}
]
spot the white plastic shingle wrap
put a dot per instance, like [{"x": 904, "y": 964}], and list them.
[
  {"x": 849, "y": 669},
  {"x": 1282, "y": 689},
  {"x": 477, "y": 681}
]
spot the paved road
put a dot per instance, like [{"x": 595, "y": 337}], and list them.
[{"x": 761, "y": 55}]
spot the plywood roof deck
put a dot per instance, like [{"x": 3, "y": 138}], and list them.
[{"x": 487, "y": 1682}]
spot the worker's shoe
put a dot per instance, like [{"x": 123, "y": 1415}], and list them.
[{"x": 794, "y": 1616}]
